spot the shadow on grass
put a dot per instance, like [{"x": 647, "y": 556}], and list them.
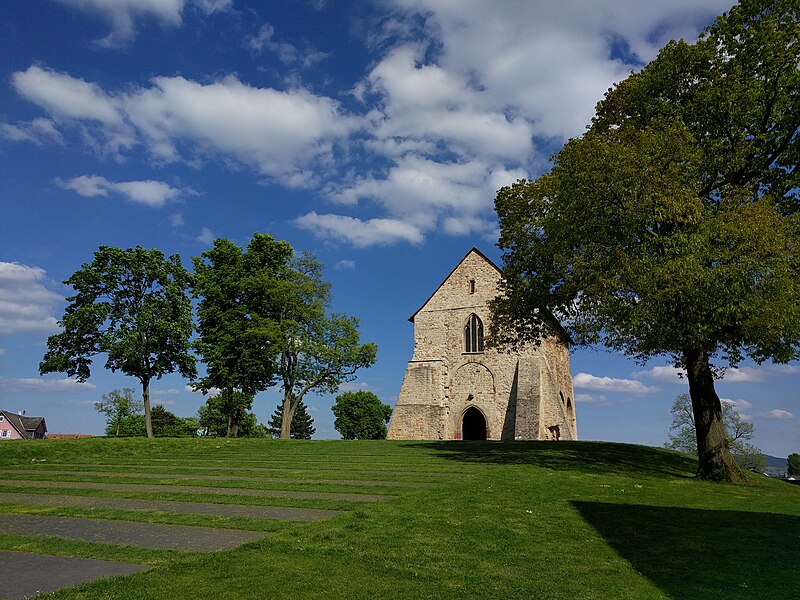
[
  {"x": 591, "y": 457},
  {"x": 692, "y": 553}
]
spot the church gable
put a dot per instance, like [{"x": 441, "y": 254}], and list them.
[{"x": 473, "y": 282}]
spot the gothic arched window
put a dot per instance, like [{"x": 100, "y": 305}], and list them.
[{"x": 473, "y": 334}]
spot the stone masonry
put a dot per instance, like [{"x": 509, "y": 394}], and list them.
[{"x": 454, "y": 388}]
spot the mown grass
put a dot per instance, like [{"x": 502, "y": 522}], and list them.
[{"x": 500, "y": 520}]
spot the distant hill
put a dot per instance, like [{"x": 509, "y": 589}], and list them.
[{"x": 775, "y": 465}]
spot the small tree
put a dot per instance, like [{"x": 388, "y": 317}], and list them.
[
  {"x": 302, "y": 423},
  {"x": 118, "y": 404},
  {"x": 130, "y": 305},
  {"x": 683, "y": 436},
  {"x": 793, "y": 462},
  {"x": 215, "y": 417},
  {"x": 361, "y": 416}
]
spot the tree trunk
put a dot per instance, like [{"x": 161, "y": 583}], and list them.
[
  {"x": 714, "y": 460},
  {"x": 233, "y": 428},
  {"x": 288, "y": 413},
  {"x": 148, "y": 424}
]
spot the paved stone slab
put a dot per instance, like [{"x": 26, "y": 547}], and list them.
[
  {"x": 194, "y": 508},
  {"x": 194, "y": 489},
  {"x": 284, "y": 480},
  {"x": 144, "y": 535},
  {"x": 25, "y": 575}
]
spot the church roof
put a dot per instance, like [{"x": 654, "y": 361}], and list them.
[{"x": 473, "y": 250}]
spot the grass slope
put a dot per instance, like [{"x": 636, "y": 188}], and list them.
[{"x": 496, "y": 520}]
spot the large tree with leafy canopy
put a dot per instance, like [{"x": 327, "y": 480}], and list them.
[
  {"x": 672, "y": 226},
  {"x": 318, "y": 350},
  {"x": 132, "y": 306},
  {"x": 361, "y": 416},
  {"x": 302, "y": 423},
  {"x": 237, "y": 316}
]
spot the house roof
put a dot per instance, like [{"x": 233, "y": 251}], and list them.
[
  {"x": 476, "y": 251},
  {"x": 24, "y": 425}
]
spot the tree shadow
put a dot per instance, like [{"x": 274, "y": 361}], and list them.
[
  {"x": 693, "y": 553},
  {"x": 590, "y": 457}
]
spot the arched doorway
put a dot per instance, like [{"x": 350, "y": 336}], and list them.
[{"x": 473, "y": 425}]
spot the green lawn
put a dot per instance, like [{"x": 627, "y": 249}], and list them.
[{"x": 488, "y": 520}]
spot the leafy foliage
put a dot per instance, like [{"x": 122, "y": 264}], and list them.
[
  {"x": 302, "y": 423},
  {"x": 237, "y": 314},
  {"x": 672, "y": 226},
  {"x": 130, "y": 305},
  {"x": 215, "y": 416},
  {"x": 117, "y": 405},
  {"x": 683, "y": 435},
  {"x": 165, "y": 424},
  {"x": 793, "y": 463},
  {"x": 361, "y": 416}
]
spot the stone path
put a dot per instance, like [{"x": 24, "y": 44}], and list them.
[
  {"x": 144, "y": 535},
  {"x": 283, "y": 480},
  {"x": 194, "y": 489},
  {"x": 197, "y": 508},
  {"x": 23, "y": 575}
]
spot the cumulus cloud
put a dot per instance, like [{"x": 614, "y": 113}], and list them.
[
  {"x": 288, "y": 135},
  {"x": 287, "y": 53},
  {"x": 611, "y": 384},
  {"x": 738, "y": 405},
  {"x": 776, "y": 414},
  {"x": 666, "y": 374},
  {"x": 123, "y": 15},
  {"x": 25, "y": 303},
  {"x": 68, "y": 384},
  {"x": 38, "y": 131},
  {"x": 598, "y": 399},
  {"x": 150, "y": 193},
  {"x": 372, "y": 232}
]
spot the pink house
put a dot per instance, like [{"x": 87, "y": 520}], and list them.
[{"x": 20, "y": 427}]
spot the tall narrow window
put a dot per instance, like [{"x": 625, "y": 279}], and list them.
[
  {"x": 471, "y": 286},
  {"x": 473, "y": 334}
]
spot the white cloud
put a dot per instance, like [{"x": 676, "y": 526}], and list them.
[
  {"x": 150, "y": 193},
  {"x": 598, "y": 399},
  {"x": 776, "y": 414},
  {"x": 288, "y": 135},
  {"x": 38, "y": 131},
  {"x": 25, "y": 303},
  {"x": 666, "y": 374},
  {"x": 373, "y": 232},
  {"x": 611, "y": 384},
  {"x": 738, "y": 405},
  {"x": 345, "y": 265},
  {"x": 176, "y": 219},
  {"x": 206, "y": 236},
  {"x": 67, "y": 384},
  {"x": 287, "y": 53},
  {"x": 212, "y": 392}
]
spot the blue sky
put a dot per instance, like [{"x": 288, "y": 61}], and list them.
[{"x": 373, "y": 134}]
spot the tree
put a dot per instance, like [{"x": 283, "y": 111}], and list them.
[
  {"x": 302, "y": 423},
  {"x": 118, "y": 404},
  {"x": 361, "y": 416},
  {"x": 793, "y": 462},
  {"x": 132, "y": 306},
  {"x": 683, "y": 436},
  {"x": 236, "y": 313},
  {"x": 217, "y": 419},
  {"x": 671, "y": 226}
]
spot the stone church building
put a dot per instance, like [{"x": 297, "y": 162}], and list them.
[{"x": 457, "y": 388}]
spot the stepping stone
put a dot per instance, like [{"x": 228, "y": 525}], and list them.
[
  {"x": 194, "y": 508},
  {"x": 284, "y": 480},
  {"x": 25, "y": 575},
  {"x": 143, "y": 535},
  {"x": 193, "y": 489}
]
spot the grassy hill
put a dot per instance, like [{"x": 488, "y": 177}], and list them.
[{"x": 468, "y": 520}]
